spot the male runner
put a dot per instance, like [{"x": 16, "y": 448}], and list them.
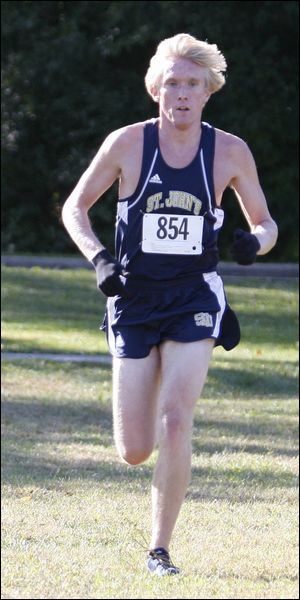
[{"x": 166, "y": 307}]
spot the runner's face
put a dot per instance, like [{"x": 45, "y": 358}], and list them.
[{"x": 182, "y": 93}]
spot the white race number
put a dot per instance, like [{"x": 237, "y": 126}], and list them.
[{"x": 172, "y": 234}]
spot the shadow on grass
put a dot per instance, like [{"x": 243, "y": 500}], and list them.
[
  {"x": 232, "y": 484},
  {"x": 246, "y": 447},
  {"x": 63, "y": 423},
  {"x": 32, "y": 428},
  {"x": 254, "y": 378},
  {"x": 239, "y": 485},
  {"x": 48, "y": 441}
]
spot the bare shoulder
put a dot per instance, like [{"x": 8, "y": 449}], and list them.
[
  {"x": 122, "y": 151},
  {"x": 233, "y": 162},
  {"x": 121, "y": 147},
  {"x": 230, "y": 147},
  {"x": 125, "y": 138},
  {"x": 230, "y": 143}
]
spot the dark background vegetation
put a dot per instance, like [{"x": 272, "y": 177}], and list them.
[{"x": 74, "y": 71}]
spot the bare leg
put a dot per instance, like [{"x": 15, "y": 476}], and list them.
[
  {"x": 135, "y": 386},
  {"x": 184, "y": 370}
]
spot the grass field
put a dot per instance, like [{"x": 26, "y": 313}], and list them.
[{"x": 75, "y": 519}]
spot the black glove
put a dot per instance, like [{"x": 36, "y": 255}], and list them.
[
  {"x": 108, "y": 271},
  {"x": 244, "y": 247}
]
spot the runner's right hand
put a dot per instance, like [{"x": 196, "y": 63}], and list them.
[{"x": 108, "y": 271}]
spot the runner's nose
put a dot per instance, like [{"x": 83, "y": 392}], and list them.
[{"x": 182, "y": 93}]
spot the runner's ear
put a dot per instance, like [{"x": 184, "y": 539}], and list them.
[{"x": 154, "y": 93}]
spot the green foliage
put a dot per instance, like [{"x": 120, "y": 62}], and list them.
[{"x": 74, "y": 71}]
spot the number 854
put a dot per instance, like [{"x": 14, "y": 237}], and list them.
[{"x": 172, "y": 227}]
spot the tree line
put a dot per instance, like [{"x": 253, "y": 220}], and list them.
[{"x": 74, "y": 71}]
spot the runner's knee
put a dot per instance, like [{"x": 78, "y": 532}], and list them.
[
  {"x": 173, "y": 423},
  {"x": 134, "y": 456}
]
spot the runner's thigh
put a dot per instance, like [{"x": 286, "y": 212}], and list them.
[
  {"x": 184, "y": 368},
  {"x": 135, "y": 384}
]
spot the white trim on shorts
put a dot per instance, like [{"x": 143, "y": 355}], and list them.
[{"x": 215, "y": 284}]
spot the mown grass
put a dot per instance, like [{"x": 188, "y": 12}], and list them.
[
  {"x": 75, "y": 519},
  {"x": 49, "y": 310},
  {"x": 61, "y": 311}
]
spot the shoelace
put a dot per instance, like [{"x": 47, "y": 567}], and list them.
[{"x": 163, "y": 558}]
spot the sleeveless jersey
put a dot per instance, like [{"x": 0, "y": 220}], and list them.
[{"x": 167, "y": 230}]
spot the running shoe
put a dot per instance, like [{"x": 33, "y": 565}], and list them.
[{"x": 159, "y": 563}]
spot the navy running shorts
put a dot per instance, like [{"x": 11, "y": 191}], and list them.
[{"x": 185, "y": 311}]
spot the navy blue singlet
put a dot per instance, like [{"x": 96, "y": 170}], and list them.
[
  {"x": 175, "y": 194},
  {"x": 166, "y": 241}
]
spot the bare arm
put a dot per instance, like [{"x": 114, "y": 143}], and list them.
[
  {"x": 100, "y": 175},
  {"x": 253, "y": 203}
]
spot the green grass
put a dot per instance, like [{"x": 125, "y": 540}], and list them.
[
  {"x": 49, "y": 310},
  {"x": 75, "y": 518}
]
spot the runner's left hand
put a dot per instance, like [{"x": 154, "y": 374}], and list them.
[{"x": 245, "y": 247}]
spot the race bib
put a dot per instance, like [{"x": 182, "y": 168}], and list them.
[{"x": 172, "y": 234}]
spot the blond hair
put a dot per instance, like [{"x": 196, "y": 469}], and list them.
[{"x": 184, "y": 45}]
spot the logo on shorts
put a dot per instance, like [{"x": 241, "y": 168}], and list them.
[{"x": 203, "y": 319}]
